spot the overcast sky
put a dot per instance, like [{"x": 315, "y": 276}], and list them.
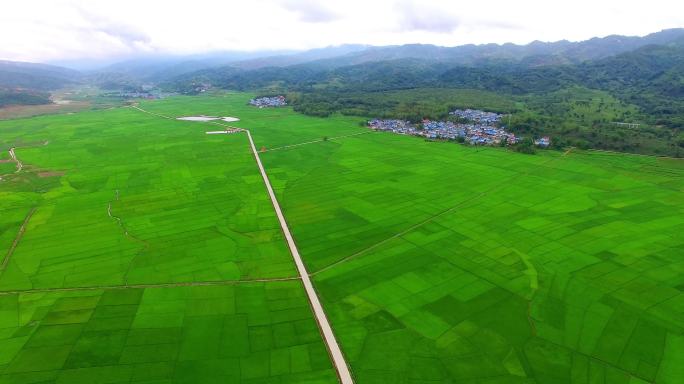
[{"x": 48, "y": 30}]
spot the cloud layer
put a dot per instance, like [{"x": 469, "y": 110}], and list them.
[
  {"x": 310, "y": 11},
  {"x": 426, "y": 17},
  {"x": 43, "y": 30}
]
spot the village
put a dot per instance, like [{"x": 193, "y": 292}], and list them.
[
  {"x": 480, "y": 130},
  {"x": 477, "y": 115},
  {"x": 149, "y": 95},
  {"x": 268, "y": 102}
]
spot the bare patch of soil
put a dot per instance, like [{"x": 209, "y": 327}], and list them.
[{"x": 50, "y": 174}]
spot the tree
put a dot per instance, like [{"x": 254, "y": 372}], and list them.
[{"x": 526, "y": 145}]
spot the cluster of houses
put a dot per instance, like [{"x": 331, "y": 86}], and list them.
[
  {"x": 477, "y": 115},
  {"x": 150, "y": 95},
  {"x": 268, "y": 102},
  {"x": 475, "y": 133},
  {"x": 543, "y": 142},
  {"x": 395, "y": 126},
  {"x": 200, "y": 88}
]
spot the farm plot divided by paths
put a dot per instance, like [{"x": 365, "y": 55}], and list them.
[
  {"x": 569, "y": 272},
  {"x": 434, "y": 262},
  {"x": 565, "y": 274},
  {"x": 327, "y": 332},
  {"x": 153, "y": 255}
]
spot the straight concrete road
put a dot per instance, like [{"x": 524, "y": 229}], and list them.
[{"x": 328, "y": 335}]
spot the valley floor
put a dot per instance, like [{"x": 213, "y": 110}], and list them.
[{"x": 434, "y": 262}]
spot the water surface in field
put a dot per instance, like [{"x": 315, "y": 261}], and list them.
[{"x": 207, "y": 118}]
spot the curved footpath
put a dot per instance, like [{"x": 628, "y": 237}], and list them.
[
  {"x": 13, "y": 155},
  {"x": 338, "y": 359}
]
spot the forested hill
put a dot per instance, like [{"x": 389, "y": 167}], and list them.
[
  {"x": 412, "y": 62},
  {"x": 36, "y": 76},
  {"x": 647, "y": 85},
  {"x": 534, "y": 54},
  {"x": 29, "y": 83},
  {"x": 574, "y": 91},
  {"x": 22, "y": 97},
  {"x": 651, "y": 77}
]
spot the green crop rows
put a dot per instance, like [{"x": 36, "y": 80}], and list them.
[
  {"x": 122, "y": 198},
  {"x": 436, "y": 262},
  {"x": 209, "y": 334},
  {"x": 479, "y": 265}
]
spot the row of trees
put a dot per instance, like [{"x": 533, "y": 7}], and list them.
[
  {"x": 23, "y": 97},
  {"x": 576, "y": 104}
]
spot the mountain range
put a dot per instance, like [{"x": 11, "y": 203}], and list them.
[
  {"x": 573, "y": 90},
  {"x": 160, "y": 69}
]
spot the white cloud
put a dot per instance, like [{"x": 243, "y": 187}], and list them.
[
  {"x": 40, "y": 30},
  {"x": 415, "y": 16},
  {"x": 310, "y": 11}
]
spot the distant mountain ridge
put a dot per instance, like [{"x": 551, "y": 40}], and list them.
[
  {"x": 535, "y": 53},
  {"x": 259, "y": 72},
  {"x": 572, "y": 90},
  {"x": 213, "y": 67},
  {"x": 14, "y": 74},
  {"x": 650, "y": 77},
  {"x": 327, "y": 53}
]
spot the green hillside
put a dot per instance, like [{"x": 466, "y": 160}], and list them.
[
  {"x": 576, "y": 103},
  {"x": 17, "y": 97}
]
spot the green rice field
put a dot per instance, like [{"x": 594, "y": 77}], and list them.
[
  {"x": 141, "y": 250},
  {"x": 255, "y": 332}
]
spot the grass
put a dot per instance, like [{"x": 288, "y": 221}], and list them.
[
  {"x": 159, "y": 202},
  {"x": 66, "y": 101},
  {"x": 481, "y": 265},
  {"x": 586, "y": 118},
  {"x": 256, "y": 332},
  {"x": 585, "y": 106},
  {"x": 435, "y": 262},
  {"x": 136, "y": 263}
]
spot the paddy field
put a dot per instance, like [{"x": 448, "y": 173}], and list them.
[{"x": 141, "y": 250}]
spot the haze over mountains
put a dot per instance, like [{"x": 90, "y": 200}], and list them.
[
  {"x": 157, "y": 69},
  {"x": 618, "y": 78}
]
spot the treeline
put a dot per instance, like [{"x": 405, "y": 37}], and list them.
[
  {"x": 575, "y": 104},
  {"x": 409, "y": 104},
  {"x": 651, "y": 77},
  {"x": 573, "y": 116},
  {"x": 22, "y": 97}
]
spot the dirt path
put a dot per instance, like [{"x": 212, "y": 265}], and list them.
[
  {"x": 338, "y": 358},
  {"x": 118, "y": 220},
  {"x": 567, "y": 152},
  {"x": 20, "y": 234},
  {"x": 143, "y": 286},
  {"x": 151, "y": 113},
  {"x": 315, "y": 141},
  {"x": 13, "y": 155},
  {"x": 15, "y": 159},
  {"x": 633, "y": 154},
  {"x": 460, "y": 204}
]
